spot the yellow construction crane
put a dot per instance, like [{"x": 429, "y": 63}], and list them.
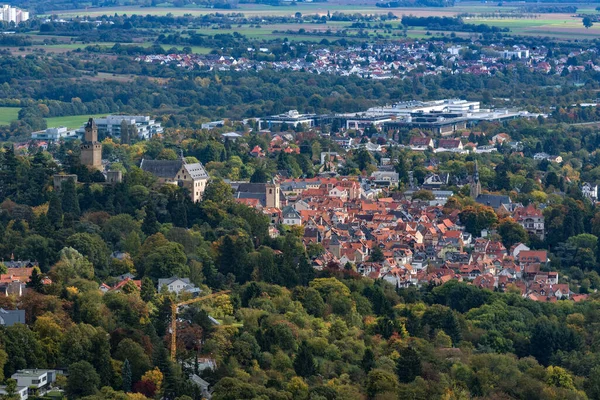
[{"x": 174, "y": 308}]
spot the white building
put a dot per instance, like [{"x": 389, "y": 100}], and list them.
[
  {"x": 590, "y": 191},
  {"x": 291, "y": 216},
  {"x": 510, "y": 54},
  {"x": 178, "y": 285},
  {"x": 291, "y": 118},
  {"x": 13, "y": 14},
  {"x": 21, "y": 391},
  {"x": 385, "y": 178},
  {"x": 33, "y": 380},
  {"x": 111, "y": 125},
  {"x": 54, "y": 134},
  {"x": 446, "y": 105}
]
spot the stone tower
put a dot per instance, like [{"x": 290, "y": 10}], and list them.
[
  {"x": 475, "y": 183},
  {"x": 91, "y": 149},
  {"x": 272, "y": 195}
]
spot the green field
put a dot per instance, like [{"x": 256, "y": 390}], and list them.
[
  {"x": 8, "y": 114},
  {"x": 564, "y": 26},
  {"x": 71, "y": 122}
]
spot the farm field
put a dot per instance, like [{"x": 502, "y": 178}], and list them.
[
  {"x": 71, "y": 122},
  {"x": 556, "y": 25},
  {"x": 8, "y": 114},
  {"x": 563, "y": 26}
]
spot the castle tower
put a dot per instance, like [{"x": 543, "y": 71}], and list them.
[
  {"x": 91, "y": 149},
  {"x": 475, "y": 183},
  {"x": 272, "y": 195}
]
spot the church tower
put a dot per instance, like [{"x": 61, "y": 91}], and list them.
[
  {"x": 272, "y": 195},
  {"x": 91, "y": 149},
  {"x": 475, "y": 183}
]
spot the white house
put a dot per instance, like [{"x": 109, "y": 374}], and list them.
[
  {"x": 178, "y": 285},
  {"x": 590, "y": 191},
  {"x": 519, "y": 248},
  {"x": 338, "y": 192},
  {"x": 34, "y": 380},
  {"x": 22, "y": 392},
  {"x": 385, "y": 178},
  {"x": 291, "y": 216}
]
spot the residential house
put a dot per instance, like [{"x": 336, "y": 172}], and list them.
[
  {"x": 436, "y": 181},
  {"x": 36, "y": 380},
  {"x": 178, "y": 285},
  {"x": 290, "y": 216},
  {"x": 418, "y": 143},
  {"x": 385, "y": 178},
  {"x": 500, "y": 138},
  {"x": 257, "y": 152},
  {"x": 449, "y": 144},
  {"x": 22, "y": 392},
  {"x": 532, "y": 219}
]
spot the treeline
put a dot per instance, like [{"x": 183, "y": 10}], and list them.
[
  {"x": 449, "y": 24},
  {"x": 554, "y": 9},
  {"x": 187, "y": 97},
  {"x": 15, "y": 40}
]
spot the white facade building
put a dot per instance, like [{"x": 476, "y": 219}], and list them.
[
  {"x": 291, "y": 118},
  {"x": 446, "y": 105},
  {"x": 13, "y": 14},
  {"x": 54, "y": 134},
  {"x": 21, "y": 391},
  {"x": 111, "y": 125}
]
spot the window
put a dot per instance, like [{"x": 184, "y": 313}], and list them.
[{"x": 270, "y": 191}]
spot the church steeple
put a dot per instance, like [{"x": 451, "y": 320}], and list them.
[{"x": 475, "y": 183}]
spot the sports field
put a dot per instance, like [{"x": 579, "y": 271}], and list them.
[{"x": 8, "y": 114}]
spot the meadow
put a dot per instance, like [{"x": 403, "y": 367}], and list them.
[
  {"x": 8, "y": 114},
  {"x": 71, "y": 122}
]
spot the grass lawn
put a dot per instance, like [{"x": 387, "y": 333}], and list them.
[
  {"x": 71, "y": 122},
  {"x": 8, "y": 114}
]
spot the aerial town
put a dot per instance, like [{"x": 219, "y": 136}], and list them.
[
  {"x": 299, "y": 200},
  {"x": 388, "y": 61}
]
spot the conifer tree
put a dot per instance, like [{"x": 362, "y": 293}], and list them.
[
  {"x": 150, "y": 225},
  {"x": 55, "y": 211},
  {"x": 70, "y": 202},
  {"x": 126, "y": 376},
  {"x": 304, "y": 363}
]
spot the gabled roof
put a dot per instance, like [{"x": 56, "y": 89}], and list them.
[
  {"x": 162, "y": 168},
  {"x": 492, "y": 200},
  {"x": 169, "y": 168}
]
